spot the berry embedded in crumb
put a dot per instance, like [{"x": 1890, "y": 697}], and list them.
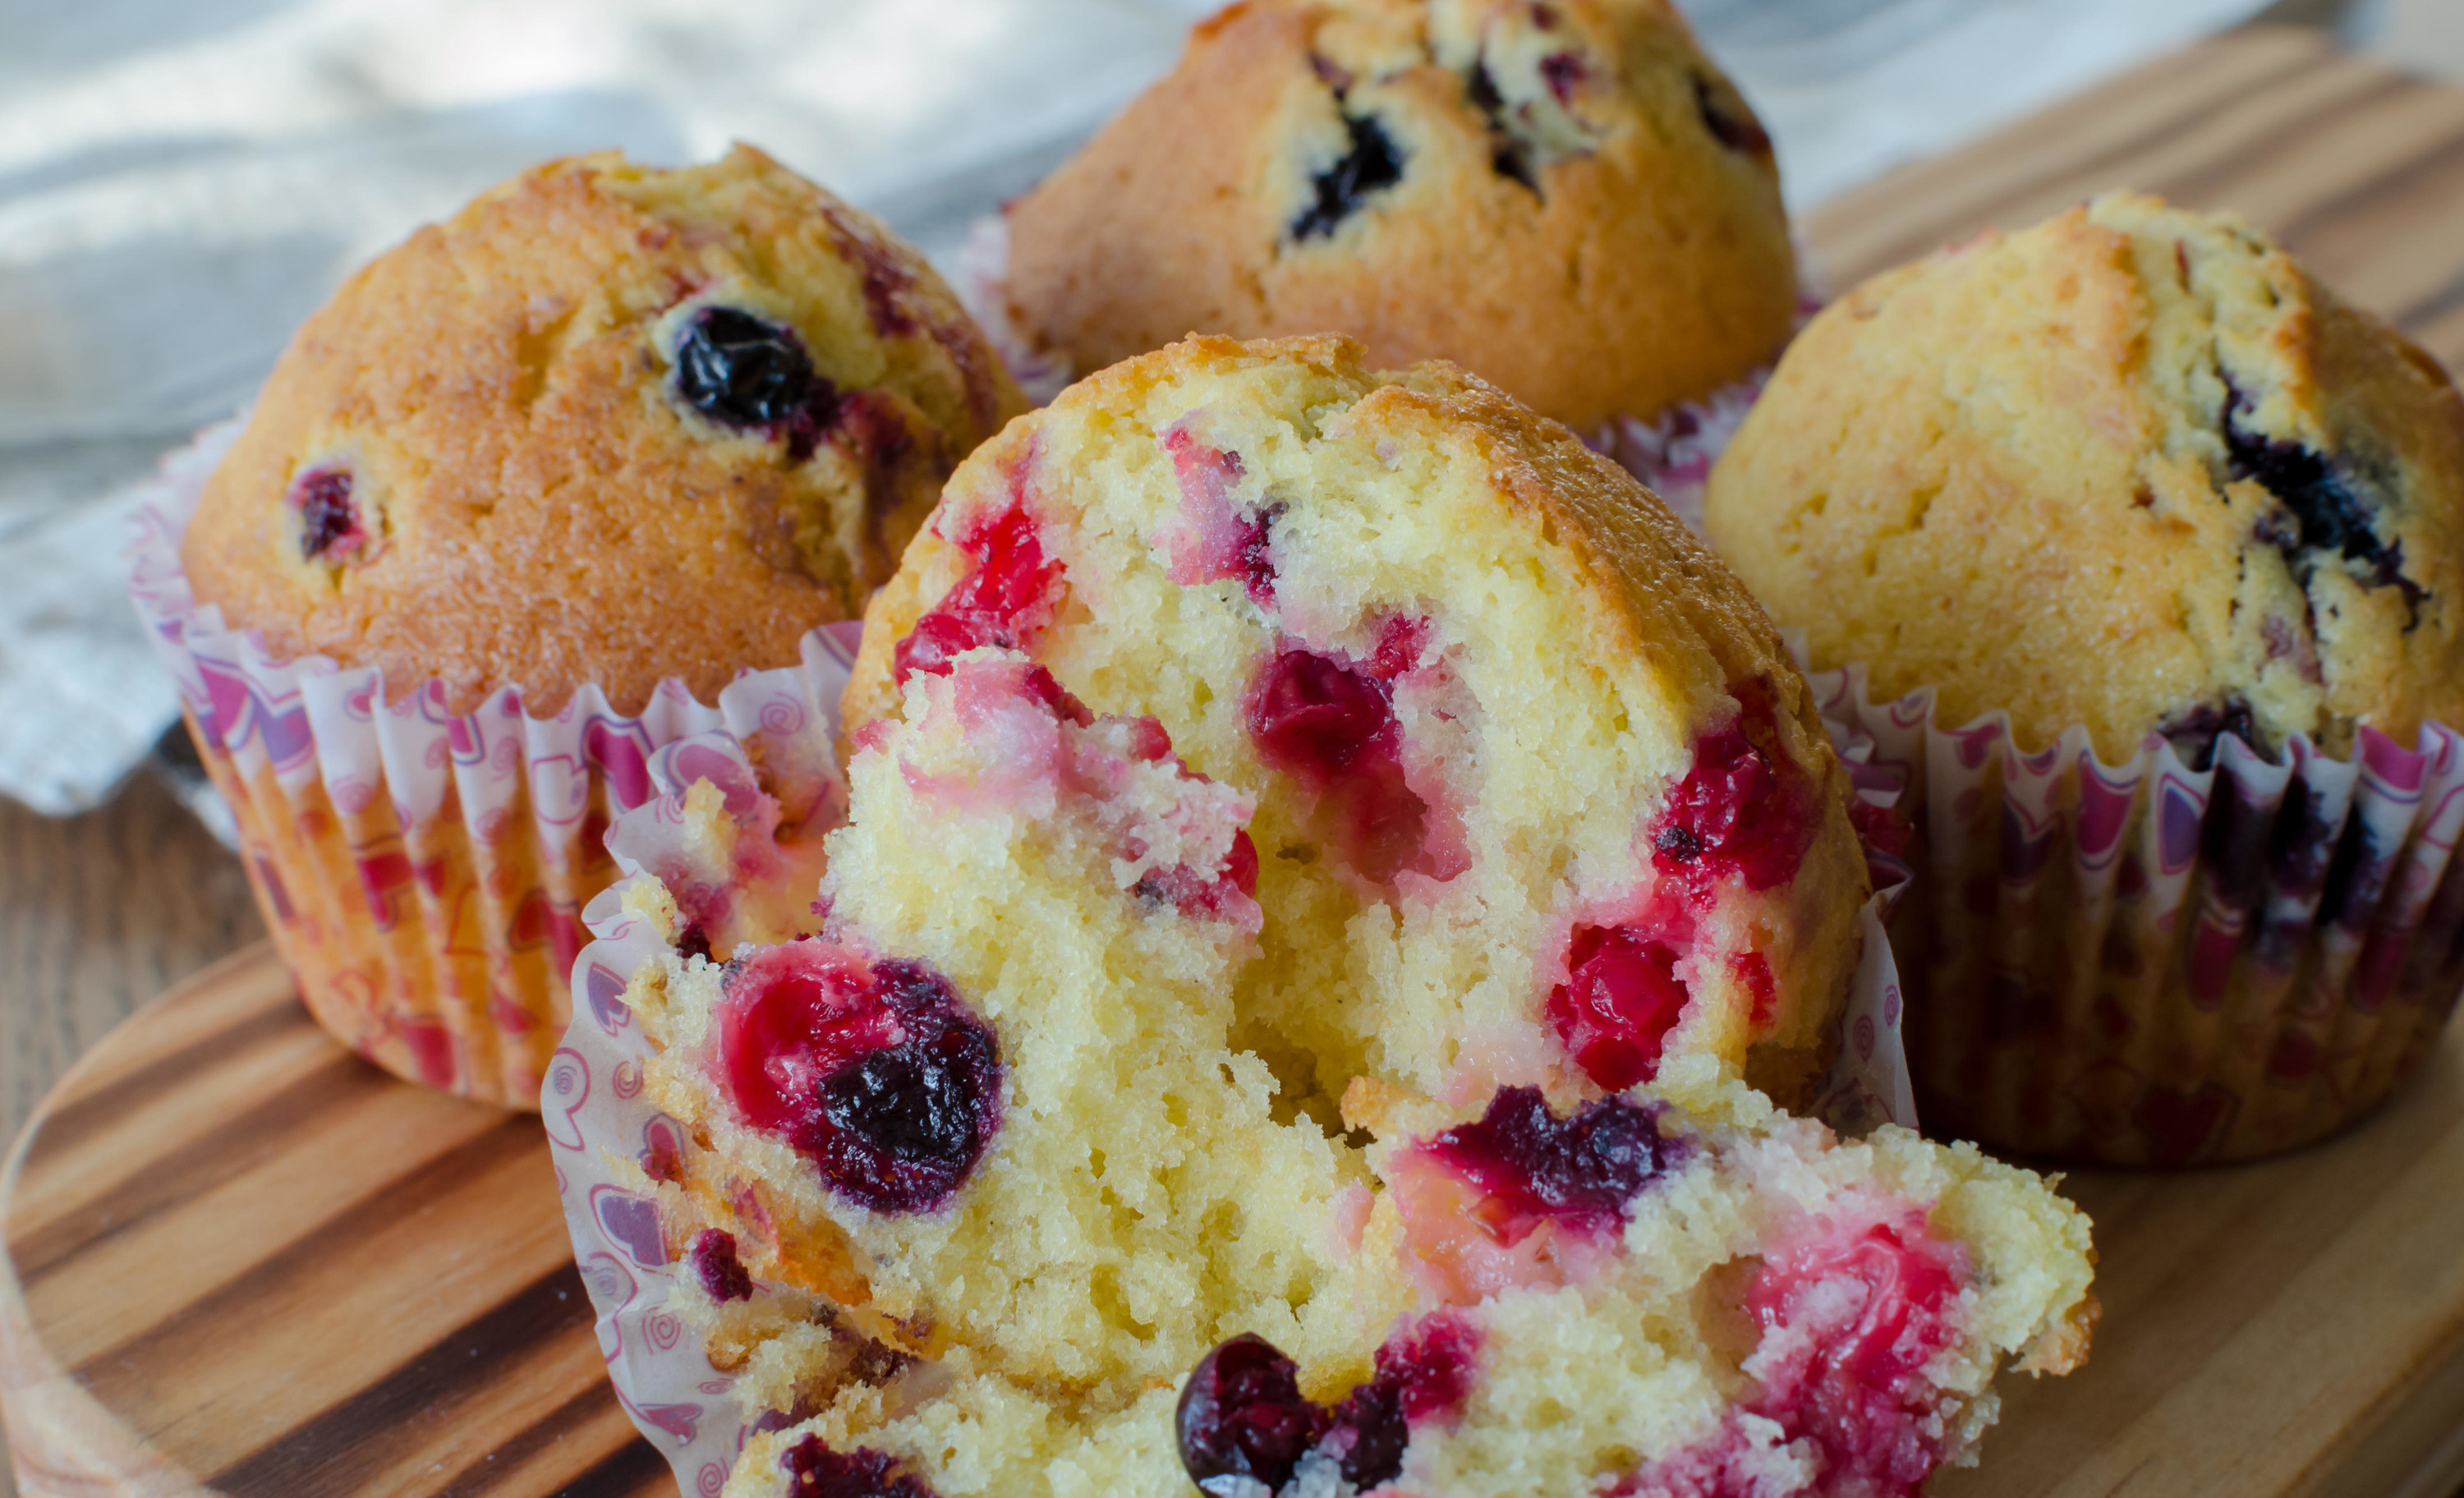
[
  {"x": 1744, "y": 806},
  {"x": 1243, "y": 1419},
  {"x": 2330, "y": 514},
  {"x": 329, "y": 518},
  {"x": 1849, "y": 1322},
  {"x": 1193, "y": 893},
  {"x": 875, "y": 1073},
  {"x": 1401, "y": 641},
  {"x": 743, "y": 371},
  {"x": 1621, "y": 999},
  {"x": 1563, "y": 72},
  {"x": 693, "y": 941},
  {"x": 2195, "y": 732},
  {"x": 1582, "y": 1171},
  {"x": 1331, "y": 727},
  {"x": 1242, "y": 1416},
  {"x": 716, "y": 1268},
  {"x": 1424, "y": 1371},
  {"x": 1374, "y": 163},
  {"x": 816, "y": 1471},
  {"x": 1212, "y": 539},
  {"x": 1507, "y": 156},
  {"x": 1010, "y": 594}
]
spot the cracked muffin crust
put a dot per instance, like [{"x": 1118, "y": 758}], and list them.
[
  {"x": 718, "y": 386},
  {"x": 2131, "y": 468},
  {"x": 1565, "y": 196}
]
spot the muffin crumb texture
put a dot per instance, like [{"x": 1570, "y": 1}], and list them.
[
  {"x": 2131, "y": 468},
  {"x": 1568, "y": 198},
  {"x": 717, "y": 386},
  {"x": 1325, "y": 851}
]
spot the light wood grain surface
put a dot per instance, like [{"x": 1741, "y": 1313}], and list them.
[
  {"x": 98, "y": 914},
  {"x": 240, "y": 1260},
  {"x": 2363, "y": 172}
]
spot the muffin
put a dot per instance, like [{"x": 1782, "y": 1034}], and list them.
[
  {"x": 532, "y": 490},
  {"x": 976, "y": 1183},
  {"x": 1522, "y": 748},
  {"x": 1568, "y": 198},
  {"x": 717, "y": 386},
  {"x": 2130, "y": 482}
]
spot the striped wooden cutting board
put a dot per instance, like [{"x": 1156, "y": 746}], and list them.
[{"x": 246, "y": 1263}]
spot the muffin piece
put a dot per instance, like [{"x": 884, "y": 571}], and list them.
[
  {"x": 1536, "y": 784},
  {"x": 717, "y": 386},
  {"x": 2131, "y": 468},
  {"x": 1566, "y": 197},
  {"x": 981, "y": 1184}
]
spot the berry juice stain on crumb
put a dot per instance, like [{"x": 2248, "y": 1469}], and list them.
[
  {"x": 816, "y": 1471},
  {"x": 1330, "y": 724},
  {"x": 1010, "y": 594},
  {"x": 1745, "y": 808}
]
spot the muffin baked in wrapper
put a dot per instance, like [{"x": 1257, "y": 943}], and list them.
[
  {"x": 611, "y": 1144},
  {"x": 1672, "y": 452},
  {"x": 423, "y": 874},
  {"x": 2154, "y": 965}
]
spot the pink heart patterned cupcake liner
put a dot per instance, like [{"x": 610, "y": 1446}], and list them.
[{"x": 2153, "y": 964}]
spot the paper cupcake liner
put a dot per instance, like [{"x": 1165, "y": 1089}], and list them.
[
  {"x": 424, "y": 872},
  {"x": 982, "y": 287},
  {"x": 609, "y": 1140},
  {"x": 2151, "y": 964}
]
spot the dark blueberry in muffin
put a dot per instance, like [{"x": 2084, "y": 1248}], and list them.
[
  {"x": 2330, "y": 505},
  {"x": 2195, "y": 730},
  {"x": 884, "y": 1080},
  {"x": 1725, "y": 116},
  {"x": 816, "y": 1471},
  {"x": 1507, "y": 156},
  {"x": 1243, "y": 1419},
  {"x": 1584, "y": 1169},
  {"x": 1372, "y": 164},
  {"x": 740, "y": 370}
]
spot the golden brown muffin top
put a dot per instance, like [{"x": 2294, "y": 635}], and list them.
[
  {"x": 608, "y": 424},
  {"x": 1566, "y": 197},
  {"x": 2131, "y": 468}
]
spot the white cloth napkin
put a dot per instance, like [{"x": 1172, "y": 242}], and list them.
[{"x": 181, "y": 181}]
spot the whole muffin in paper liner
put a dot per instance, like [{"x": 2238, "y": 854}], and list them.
[
  {"x": 2158, "y": 546},
  {"x": 2130, "y": 468},
  {"x": 527, "y": 500},
  {"x": 1568, "y": 198},
  {"x": 968, "y": 1176}
]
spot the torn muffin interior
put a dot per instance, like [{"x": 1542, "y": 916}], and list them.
[
  {"x": 1147, "y": 1275},
  {"x": 1324, "y": 855}
]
